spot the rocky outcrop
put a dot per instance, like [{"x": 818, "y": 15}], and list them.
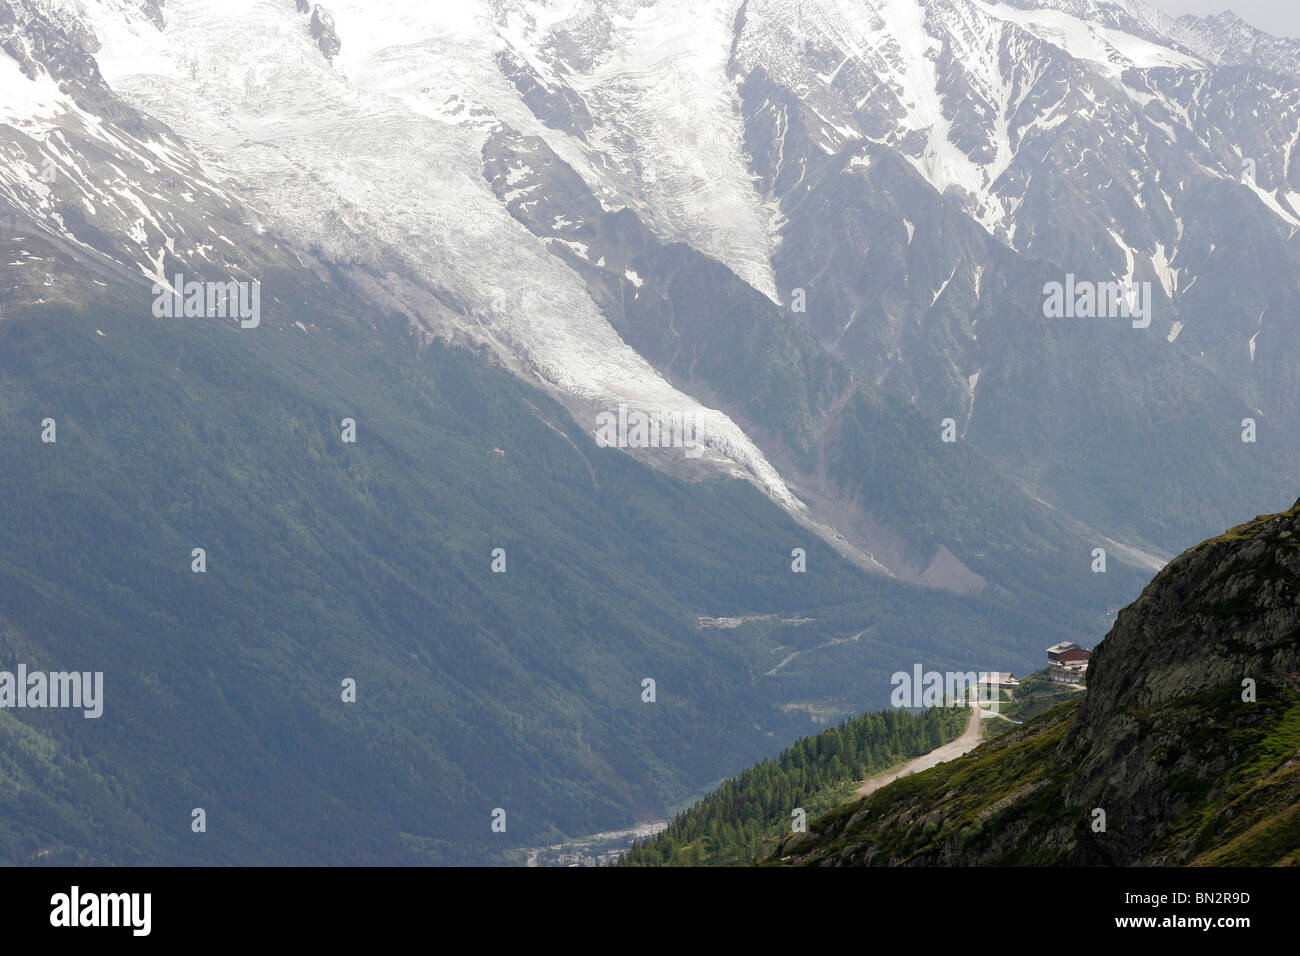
[
  {"x": 322, "y": 31},
  {"x": 321, "y": 27},
  {"x": 1186, "y": 749},
  {"x": 1219, "y": 619},
  {"x": 558, "y": 107}
]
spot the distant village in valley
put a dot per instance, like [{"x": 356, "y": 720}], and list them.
[{"x": 599, "y": 849}]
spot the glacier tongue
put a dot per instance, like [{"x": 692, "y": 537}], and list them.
[
  {"x": 672, "y": 123},
  {"x": 378, "y": 162}
]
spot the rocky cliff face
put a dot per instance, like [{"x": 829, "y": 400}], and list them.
[
  {"x": 1221, "y": 617},
  {"x": 323, "y": 32},
  {"x": 1185, "y": 750}
]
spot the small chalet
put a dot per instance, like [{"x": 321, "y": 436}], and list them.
[
  {"x": 1056, "y": 650},
  {"x": 1069, "y": 662}
]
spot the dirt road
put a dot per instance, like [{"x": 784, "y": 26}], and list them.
[{"x": 969, "y": 740}]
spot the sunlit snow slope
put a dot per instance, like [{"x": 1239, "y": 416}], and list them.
[{"x": 374, "y": 158}]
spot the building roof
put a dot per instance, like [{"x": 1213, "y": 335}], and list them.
[{"x": 1063, "y": 646}]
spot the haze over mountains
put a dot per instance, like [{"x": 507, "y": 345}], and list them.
[{"x": 820, "y": 230}]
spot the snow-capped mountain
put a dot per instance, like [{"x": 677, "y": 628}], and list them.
[
  {"x": 826, "y": 231},
  {"x": 1225, "y": 39},
  {"x": 918, "y": 169}
]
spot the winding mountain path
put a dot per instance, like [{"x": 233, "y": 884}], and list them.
[{"x": 969, "y": 740}]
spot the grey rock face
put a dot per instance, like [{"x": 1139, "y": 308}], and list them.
[
  {"x": 322, "y": 31},
  {"x": 1220, "y": 622}
]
